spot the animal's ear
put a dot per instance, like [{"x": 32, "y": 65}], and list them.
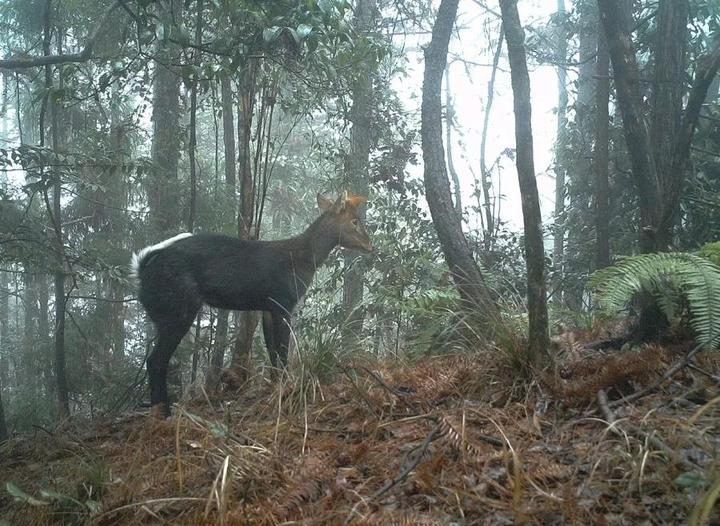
[
  {"x": 356, "y": 201},
  {"x": 324, "y": 203}
]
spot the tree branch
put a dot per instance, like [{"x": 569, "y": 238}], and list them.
[
  {"x": 17, "y": 63},
  {"x": 707, "y": 69}
]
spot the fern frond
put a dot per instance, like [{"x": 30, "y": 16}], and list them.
[{"x": 668, "y": 276}]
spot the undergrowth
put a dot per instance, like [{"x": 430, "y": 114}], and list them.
[{"x": 459, "y": 438}]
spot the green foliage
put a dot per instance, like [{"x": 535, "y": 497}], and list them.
[
  {"x": 62, "y": 503},
  {"x": 673, "y": 278}
]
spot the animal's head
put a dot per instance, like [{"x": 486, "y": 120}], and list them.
[{"x": 343, "y": 220}]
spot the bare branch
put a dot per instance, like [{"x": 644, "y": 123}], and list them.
[{"x": 26, "y": 62}]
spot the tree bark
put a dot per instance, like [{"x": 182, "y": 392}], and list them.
[
  {"x": 217, "y": 356},
  {"x": 356, "y": 170},
  {"x": 534, "y": 252},
  {"x": 5, "y": 343},
  {"x": 465, "y": 272},
  {"x": 246, "y": 322},
  {"x": 55, "y": 216},
  {"x": 486, "y": 175},
  {"x": 163, "y": 194},
  {"x": 602, "y": 140},
  {"x": 449, "y": 123},
  {"x": 581, "y": 177},
  {"x": 4, "y": 348},
  {"x": 193, "y": 121},
  {"x": 228, "y": 132},
  {"x": 560, "y": 143},
  {"x": 658, "y": 151}
]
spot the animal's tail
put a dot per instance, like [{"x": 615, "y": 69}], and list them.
[{"x": 138, "y": 259}]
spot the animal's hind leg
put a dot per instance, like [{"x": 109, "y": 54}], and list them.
[{"x": 170, "y": 332}]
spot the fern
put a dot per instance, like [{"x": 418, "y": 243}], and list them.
[{"x": 670, "y": 277}]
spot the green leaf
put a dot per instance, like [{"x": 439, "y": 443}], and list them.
[
  {"x": 691, "y": 480},
  {"x": 271, "y": 33},
  {"x": 303, "y": 30},
  {"x": 20, "y": 495},
  {"x": 160, "y": 31},
  {"x": 61, "y": 499}
]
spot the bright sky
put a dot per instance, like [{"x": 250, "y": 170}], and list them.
[{"x": 471, "y": 43}]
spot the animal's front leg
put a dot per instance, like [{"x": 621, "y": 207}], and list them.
[{"x": 281, "y": 335}]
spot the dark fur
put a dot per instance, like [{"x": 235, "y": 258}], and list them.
[{"x": 229, "y": 273}]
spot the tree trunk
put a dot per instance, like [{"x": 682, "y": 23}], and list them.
[
  {"x": 4, "y": 348},
  {"x": 602, "y": 140},
  {"x": 658, "y": 152},
  {"x": 464, "y": 270},
  {"x": 246, "y": 321},
  {"x": 55, "y": 215},
  {"x": 534, "y": 252},
  {"x": 356, "y": 175},
  {"x": 228, "y": 132},
  {"x": 486, "y": 175},
  {"x": 163, "y": 193},
  {"x": 193, "y": 120},
  {"x": 5, "y": 344},
  {"x": 246, "y": 106},
  {"x": 218, "y": 350},
  {"x": 449, "y": 123},
  {"x": 560, "y": 143}
]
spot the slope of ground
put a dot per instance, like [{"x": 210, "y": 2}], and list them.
[{"x": 444, "y": 441}]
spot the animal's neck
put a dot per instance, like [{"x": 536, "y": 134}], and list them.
[{"x": 317, "y": 243}]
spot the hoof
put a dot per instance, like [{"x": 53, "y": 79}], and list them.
[{"x": 159, "y": 411}]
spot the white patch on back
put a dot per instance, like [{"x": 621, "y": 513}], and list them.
[{"x": 137, "y": 258}]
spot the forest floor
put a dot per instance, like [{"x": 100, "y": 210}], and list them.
[{"x": 450, "y": 440}]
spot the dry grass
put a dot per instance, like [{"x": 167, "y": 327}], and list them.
[{"x": 447, "y": 440}]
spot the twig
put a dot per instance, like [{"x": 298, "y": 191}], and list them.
[
  {"x": 668, "y": 374},
  {"x": 715, "y": 378},
  {"x": 409, "y": 467},
  {"x": 419, "y": 452},
  {"x": 640, "y": 434}
]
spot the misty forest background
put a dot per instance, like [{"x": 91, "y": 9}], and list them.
[{"x": 126, "y": 122}]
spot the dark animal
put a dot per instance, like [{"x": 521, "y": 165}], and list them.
[{"x": 178, "y": 275}]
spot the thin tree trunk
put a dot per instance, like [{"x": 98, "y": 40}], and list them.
[
  {"x": 28, "y": 375},
  {"x": 560, "y": 142},
  {"x": 602, "y": 140},
  {"x": 217, "y": 356},
  {"x": 163, "y": 193},
  {"x": 485, "y": 172},
  {"x": 246, "y": 107},
  {"x": 357, "y": 176},
  {"x": 228, "y": 132},
  {"x": 464, "y": 270},
  {"x": 193, "y": 121},
  {"x": 246, "y": 321},
  {"x": 55, "y": 214},
  {"x": 449, "y": 123},
  {"x": 5, "y": 343},
  {"x": 4, "y": 348},
  {"x": 534, "y": 252}
]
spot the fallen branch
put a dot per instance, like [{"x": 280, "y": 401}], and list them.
[
  {"x": 681, "y": 364},
  {"x": 419, "y": 452},
  {"x": 640, "y": 434}
]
